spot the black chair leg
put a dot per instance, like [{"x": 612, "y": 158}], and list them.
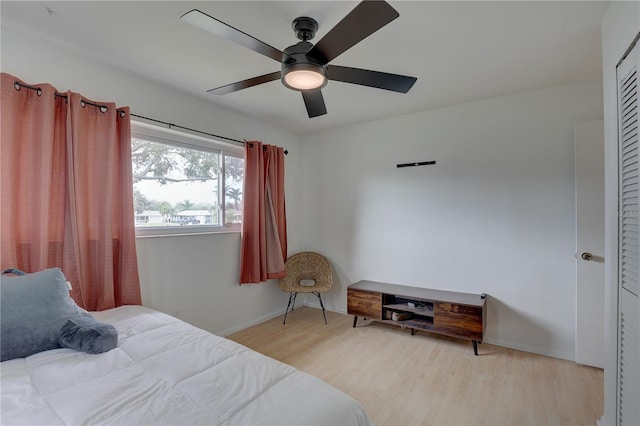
[
  {"x": 321, "y": 305},
  {"x": 292, "y": 300},
  {"x": 292, "y": 303}
]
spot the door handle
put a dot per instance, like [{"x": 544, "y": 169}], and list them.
[{"x": 586, "y": 256}]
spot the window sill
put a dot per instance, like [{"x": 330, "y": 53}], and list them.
[{"x": 160, "y": 232}]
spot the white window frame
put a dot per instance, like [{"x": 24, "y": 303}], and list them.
[{"x": 184, "y": 139}]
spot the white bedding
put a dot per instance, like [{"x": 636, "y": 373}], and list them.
[{"x": 165, "y": 371}]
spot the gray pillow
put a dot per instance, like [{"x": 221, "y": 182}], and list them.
[
  {"x": 33, "y": 309},
  {"x": 83, "y": 332}
]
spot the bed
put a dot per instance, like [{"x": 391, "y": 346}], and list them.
[{"x": 165, "y": 371}]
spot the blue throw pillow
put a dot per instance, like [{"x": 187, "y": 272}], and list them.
[
  {"x": 33, "y": 309},
  {"x": 83, "y": 332}
]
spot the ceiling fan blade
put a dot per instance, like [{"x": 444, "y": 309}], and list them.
[
  {"x": 367, "y": 18},
  {"x": 315, "y": 103},
  {"x": 377, "y": 79},
  {"x": 239, "y": 85},
  {"x": 219, "y": 28}
]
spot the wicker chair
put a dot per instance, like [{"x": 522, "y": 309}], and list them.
[{"x": 306, "y": 272}]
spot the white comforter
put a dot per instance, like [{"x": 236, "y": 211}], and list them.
[{"x": 165, "y": 371}]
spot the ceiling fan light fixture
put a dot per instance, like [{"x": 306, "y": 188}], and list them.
[{"x": 304, "y": 76}]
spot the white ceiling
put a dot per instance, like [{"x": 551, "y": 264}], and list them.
[{"x": 459, "y": 51}]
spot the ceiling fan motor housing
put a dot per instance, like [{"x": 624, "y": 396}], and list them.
[{"x": 295, "y": 59}]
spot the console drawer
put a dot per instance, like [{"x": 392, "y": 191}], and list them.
[
  {"x": 459, "y": 320},
  {"x": 365, "y": 304}
]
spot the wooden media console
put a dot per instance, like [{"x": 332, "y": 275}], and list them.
[{"x": 443, "y": 312}]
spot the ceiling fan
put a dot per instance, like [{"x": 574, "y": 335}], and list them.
[{"x": 305, "y": 66}]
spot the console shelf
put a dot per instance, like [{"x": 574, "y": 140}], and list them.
[
  {"x": 403, "y": 307},
  {"x": 450, "y": 313}
]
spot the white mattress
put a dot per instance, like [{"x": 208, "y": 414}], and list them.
[{"x": 165, "y": 371}]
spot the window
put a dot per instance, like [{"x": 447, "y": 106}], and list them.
[{"x": 184, "y": 183}]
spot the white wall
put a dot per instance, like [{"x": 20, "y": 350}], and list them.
[
  {"x": 620, "y": 26},
  {"x": 195, "y": 277},
  {"x": 495, "y": 215}
]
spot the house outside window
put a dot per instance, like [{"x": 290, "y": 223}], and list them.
[{"x": 185, "y": 183}]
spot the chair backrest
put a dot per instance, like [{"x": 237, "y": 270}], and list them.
[{"x": 307, "y": 267}]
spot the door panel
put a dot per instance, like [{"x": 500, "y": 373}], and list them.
[
  {"x": 589, "y": 169},
  {"x": 628, "y": 374}
]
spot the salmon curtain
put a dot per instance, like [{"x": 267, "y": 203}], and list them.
[
  {"x": 264, "y": 221},
  {"x": 67, "y": 193}
]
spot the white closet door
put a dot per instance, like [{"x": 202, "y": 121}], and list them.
[{"x": 629, "y": 241}]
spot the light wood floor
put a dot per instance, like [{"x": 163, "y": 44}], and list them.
[{"x": 428, "y": 379}]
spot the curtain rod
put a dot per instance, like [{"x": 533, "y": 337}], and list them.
[
  {"x": 104, "y": 108},
  {"x": 170, "y": 125}
]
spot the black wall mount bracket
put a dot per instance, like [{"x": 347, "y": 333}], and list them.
[{"x": 420, "y": 163}]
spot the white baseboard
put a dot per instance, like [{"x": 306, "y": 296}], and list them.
[
  {"x": 317, "y": 306},
  {"x": 245, "y": 325},
  {"x": 263, "y": 318},
  {"x": 531, "y": 349},
  {"x": 497, "y": 342}
]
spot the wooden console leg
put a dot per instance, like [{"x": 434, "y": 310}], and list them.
[
  {"x": 475, "y": 347},
  {"x": 355, "y": 320}
]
